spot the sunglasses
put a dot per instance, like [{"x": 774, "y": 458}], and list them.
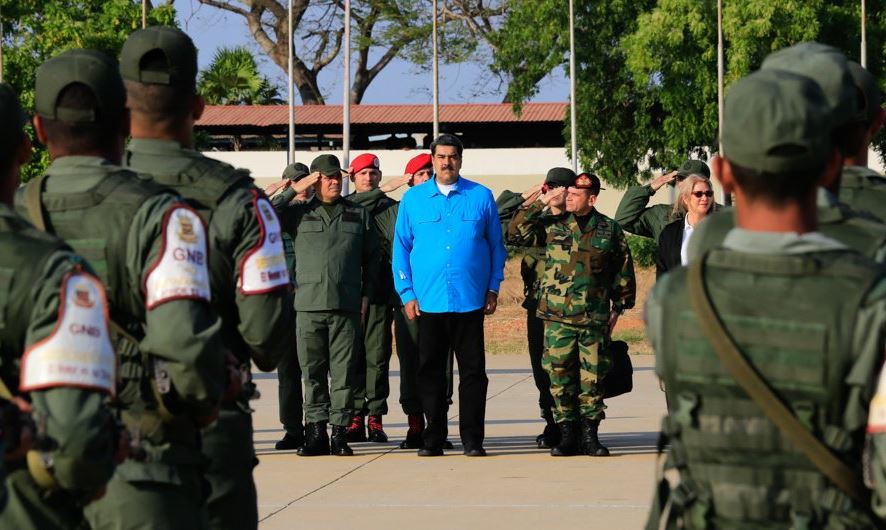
[{"x": 700, "y": 194}]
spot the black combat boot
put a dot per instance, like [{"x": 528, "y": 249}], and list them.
[
  {"x": 413, "y": 435},
  {"x": 340, "y": 441},
  {"x": 590, "y": 443},
  {"x": 550, "y": 438},
  {"x": 568, "y": 445},
  {"x": 316, "y": 440},
  {"x": 376, "y": 430},
  {"x": 291, "y": 440},
  {"x": 357, "y": 430}
]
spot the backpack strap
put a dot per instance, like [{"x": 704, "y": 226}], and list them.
[
  {"x": 33, "y": 204},
  {"x": 772, "y": 406}
]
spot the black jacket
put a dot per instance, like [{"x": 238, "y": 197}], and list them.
[{"x": 669, "y": 242}]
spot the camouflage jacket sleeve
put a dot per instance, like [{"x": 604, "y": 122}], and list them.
[
  {"x": 527, "y": 228},
  {"x": 623, "y": 291},
  {"x": 266, "y": 314},
  {"x": 181, "y": 332},
  {"x": 634, "y": 216},
  {"x": 77, "y": 420}
]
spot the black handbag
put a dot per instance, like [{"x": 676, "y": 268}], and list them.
[{"x": 620, "y": 379}]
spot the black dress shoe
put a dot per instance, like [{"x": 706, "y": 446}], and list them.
[
  {"x": 475, "y": 451},
  {"x": 290, "y": 442},
  {"x": 430, "y": 451},
  {"x": 447, "y": 445}
]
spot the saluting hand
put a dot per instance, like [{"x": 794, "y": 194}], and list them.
[
  {"x": 553, "y": 194},
  {"x": 305, "y": 183},
  {"x": 662, "y": 180},
  {"x": 532, "y": 194},
  {"x": 395, "y": 183},
  {"x": 411, "y": 309},
  {"x": 271, "y": 189}
]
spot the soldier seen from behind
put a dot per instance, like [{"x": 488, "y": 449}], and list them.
[
  {"x": 247, "y": 266},
  {"x": 57, "y": 363},
  {"x": 150, "y": 250},
  {"x": 588, "y": 282},
  {"x": 769, "y": 345},
  {"x": 336, "y": 264}
]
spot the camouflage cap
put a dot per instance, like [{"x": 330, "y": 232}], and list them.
[
  {"x": 775, "y": 122},
  {"x": 560, "y": 176},
  {"x": 296, "y": 171},
  {"x": 828, "y": 67},
  {"x": 867, "y": 87},
  {"x": 159, "y": 55},
  {"x": 327, "y": 165},
  {"x": 694, "y": 167},
  {"x": 92, "y": 68},
  {"x": 11, "y": 115}
]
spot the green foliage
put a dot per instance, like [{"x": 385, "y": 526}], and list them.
[
  {"x": 643, "y": 250},
  {"x": 233, "y": 79},
  {"x": 647, "y": 69},
  {"x": 36, "y": 30}
]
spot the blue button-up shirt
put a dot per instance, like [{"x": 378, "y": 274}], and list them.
[{"x": 448, "y": 250}]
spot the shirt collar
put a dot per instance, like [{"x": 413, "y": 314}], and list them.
[
  {"x": 433, "y": 190},
  {"x": 754, "y": 242}
]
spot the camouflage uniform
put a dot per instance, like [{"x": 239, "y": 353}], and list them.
[{"x": 585, "y": 270}]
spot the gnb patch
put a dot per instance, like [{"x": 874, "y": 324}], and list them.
[
  {"x": 78, "y": 353},
  {"x": 181, "y": 271},
  {"x": 263, "y": 269}
]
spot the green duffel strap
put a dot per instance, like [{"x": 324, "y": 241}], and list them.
[{"x": 758, "y": 390}]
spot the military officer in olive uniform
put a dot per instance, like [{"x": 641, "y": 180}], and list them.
[
  {"x": 769, "y": 345},
  {"x": 336, "y": 260},
  {"x": 532, "y": 270},
  {"x": 247, "y": 266},
  {"x": 57, "y": 360},
  {"x": 150, "y": 249},
  {"x": 588, "y": 282},
  {"x": 636, "y": 217}
]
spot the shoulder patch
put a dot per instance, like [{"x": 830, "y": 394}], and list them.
[
  {"x": 78, "y": 353},
  {"x": 181, "y": 271},
  {"x": 263, "y": 269}
]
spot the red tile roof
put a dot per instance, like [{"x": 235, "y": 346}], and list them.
[{"x": 277, "y": 115}]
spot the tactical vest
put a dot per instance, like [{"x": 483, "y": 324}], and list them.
[
  {"x": 864, "y": 190},
  {"x": 24, "y": 252},
  {"x": 793, "y": 317}
]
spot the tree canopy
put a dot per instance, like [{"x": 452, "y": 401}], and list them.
[{"x": 232, "y": 78}]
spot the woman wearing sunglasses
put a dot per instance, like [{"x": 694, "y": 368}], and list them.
[{"x": 694, "y": 202}]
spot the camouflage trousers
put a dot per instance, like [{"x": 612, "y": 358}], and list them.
[{"x": 576, "y": 361}]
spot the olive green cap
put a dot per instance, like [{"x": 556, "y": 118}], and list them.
[
  {"x": 11, "y": 114},
  {"x": 88, "y": 67},
  {"x": 828, "y": 67},
  {"x": 777, "y": 122},
  {"x": 867, "y": 86},
  {"x": 560, "y": 176},
  {"x": 694, "y": 167},
  {"x": 327, "y": 165},
  {"x": 296, "y": 171},
  {"x": 159, "y": 55}
]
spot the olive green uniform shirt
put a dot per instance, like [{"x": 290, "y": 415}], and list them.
[
  {"x": 383, "y": 216},
  {"x": 864, "y": 190}
]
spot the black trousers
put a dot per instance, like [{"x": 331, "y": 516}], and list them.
[{"x": 463, "y": 334}]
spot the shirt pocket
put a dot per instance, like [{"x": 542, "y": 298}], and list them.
[
  {"x": 351, "y": 228},
  {"x": 598, "y": 254},
  {"x": 310, "y": 226},
  {"x": 428, "y": 217},
  {"x": 472, "y": 224}
]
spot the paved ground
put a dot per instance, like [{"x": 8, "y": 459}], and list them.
[{"x": 517, "y": 486}]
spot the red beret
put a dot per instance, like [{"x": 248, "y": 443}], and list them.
[
  {"x": 362, "y": 162},
  {"x": 418, "y": 163}
]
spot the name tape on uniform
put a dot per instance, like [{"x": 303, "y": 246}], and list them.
[
  {"x": 181, "y": 272},
  {"x": 78, "y": 352},
  {"x": 264, "y": 267}
]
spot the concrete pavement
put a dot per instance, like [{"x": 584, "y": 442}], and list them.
[{"x": 517, "y": 485}]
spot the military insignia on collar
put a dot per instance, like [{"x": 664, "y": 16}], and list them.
[
  {"x": 82, "y": 297},
  {"x": 186, "y": 229}
]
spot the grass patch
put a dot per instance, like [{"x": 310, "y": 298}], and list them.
[{"x": 631, "y": 336}]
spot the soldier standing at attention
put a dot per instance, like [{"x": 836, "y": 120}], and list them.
[
  {"x": 371, "y": 387},
  {"x": 532, "y": 270},
  {"x": 149, "y": 249},
  {"x": 57, "y": 361},
  {"x": 635, "y": 217},
  {"x": 588, "y": 282},
  {"x": 336, "y": 262},
  {"x": 247, "y": 266},
  {"x": 769, "y": 346}
]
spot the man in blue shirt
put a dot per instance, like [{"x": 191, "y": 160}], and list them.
[{"x": 448, "y": 263}]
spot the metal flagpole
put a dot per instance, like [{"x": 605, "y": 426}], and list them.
[
  {"x": 727, "y": 199},
  {"x": 290, "y": 154},
  {"x": 864, "y": 36},
  {"x": 436, "y": 74},
  {"x": 346, "y": 99},
  {"x": 144, "y": 14},
  {"x": 572, "y": 113},
  {"x": 1, "y": 47}
]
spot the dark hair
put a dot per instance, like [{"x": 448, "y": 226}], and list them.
[
  {"x": 77, "y": 137},
  {"x": 777, "y": 189},
  {"x": 450, "y": 140},
  {"x": 167, "y": 105},
  {"x": 850, "y": 137}
]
